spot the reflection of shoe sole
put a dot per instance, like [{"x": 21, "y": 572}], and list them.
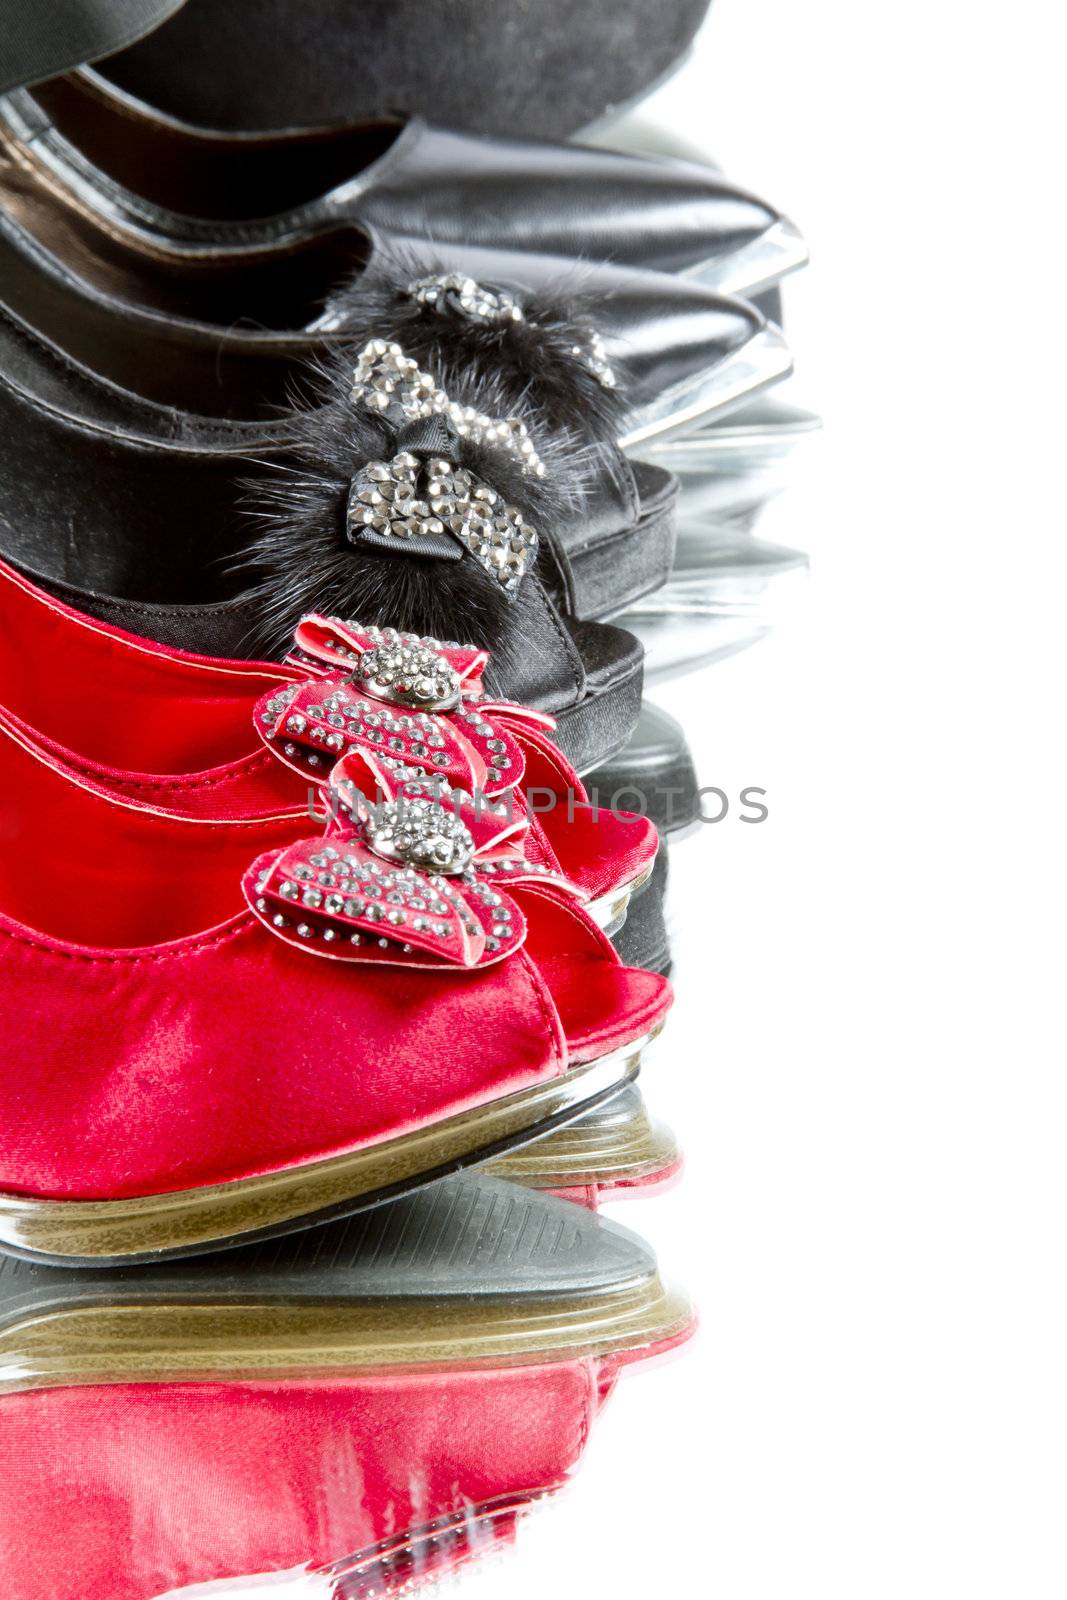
[
  {"x": 395, "y": 1566},
  {"x": 609, "y": 910},
  {"x": 761, "y": 361},
  {"x": 467, "y": 1272},
  {"x": 104, "y": 1232},
  {"x": 618, "y": 1146},
  {"x": 737, "y": 447}
]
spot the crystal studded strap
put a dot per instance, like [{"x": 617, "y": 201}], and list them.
[
  {"x": 391, "y": 385},
  {"x": 420, "y": 501},
  {"x": 457, "y": 295}
]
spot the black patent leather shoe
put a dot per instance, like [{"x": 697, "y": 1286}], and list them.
[
  {"x": 400, "y": 177},
  {"x": 684, "y": 355}
]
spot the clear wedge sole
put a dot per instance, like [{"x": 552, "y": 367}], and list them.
[
  {"x": 608, "y": 911},
  {"x": 187, "y": 1222},
  {"x": 762, "y": 361},
  {"x": 178, "y": 1342},
  {"x": 617, "y": 1146},
  {"x": 469, "y": 1271},
  {"x": 757, "y": 266}
]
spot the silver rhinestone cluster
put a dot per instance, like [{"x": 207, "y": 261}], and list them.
[
  {"x": 528, "y": 868},
  {"x": 273, "y": 708},
  {"x": 454, "y": 292},
  {"x": 406, "y": 498},
  {"x": 332, "y": 884},
  {"x": 344, "y": 721},
  {"x": 420, "y": 832},
  {"x": 377, "y": 636},
  {"x": 498, "y": 756},
  {"x": 593, "y": 356},
  {"x": 385, "y": 379},
  {"x": 410, "y": 675}
]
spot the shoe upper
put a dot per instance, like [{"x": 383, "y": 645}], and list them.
[
  {"x": 177, "y": 732},
  {"x": 227, "y": 1052},
  {"x": 220, "y": 327},
  {"x": 402, "y": 177},
  {"x": 132, "y": 463}
]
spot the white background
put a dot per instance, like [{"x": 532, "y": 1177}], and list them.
[{"x": 866, "y": 1057}]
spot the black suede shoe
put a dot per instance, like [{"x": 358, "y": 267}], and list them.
[
  {"x": 543, "y": 69},
  {"x": 401, "y": 178}
]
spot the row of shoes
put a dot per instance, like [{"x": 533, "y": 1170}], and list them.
[{"x": 325, "y": 458}]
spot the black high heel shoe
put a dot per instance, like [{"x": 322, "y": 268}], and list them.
[
  {"x": 399, "y": 177},
  {"x": 242, "y": 309},
  {"x": 544, "y": 70}
]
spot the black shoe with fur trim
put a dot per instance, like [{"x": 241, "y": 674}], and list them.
[
  {"x": 232, "y": 319},
  {"x": 440, "y": 503}
]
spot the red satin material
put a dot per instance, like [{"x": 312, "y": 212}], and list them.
[
  {"x": 164, "y": 1040},
  {"x": 123, "y": 1492},
  {"x": 174, "y": 730},
  {"x": 121, "y": 700}
]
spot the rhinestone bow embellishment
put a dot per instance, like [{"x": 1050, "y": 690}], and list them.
[
  {"x": 421, "y": 502},
  {"x": 387, "y": 381},
  {"x": 421, "y": 877},
  {"x": 454, "y": 292},
  {"x": 409, "y": 674}
]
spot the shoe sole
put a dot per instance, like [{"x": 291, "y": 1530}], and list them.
[
  {"x": 620, "y": 568},
  {"x": 616, "y": 1147},
  {"x": 609, "y": 910},
  {"x": 644, "y": 938},
  {"x": 761, "y": 361},
  {"x": 753, "y": 440},
  {"x": 757, "y": 266},
  {"x": 657, "y": 765},
  {"x": 105, "y": 1233},
  {"x": 131, "y": 1342},
  {"x": 580, "y": 728}
]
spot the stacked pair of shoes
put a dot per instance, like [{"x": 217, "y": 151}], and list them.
[{"x": 325, "y": 456}]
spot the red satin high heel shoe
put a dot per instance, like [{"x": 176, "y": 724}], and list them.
[
  {"x": 183, "y": 1074},
  {"x": 176, "y": 730}
]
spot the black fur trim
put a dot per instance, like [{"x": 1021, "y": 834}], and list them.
[
  {"x": 299, "y": 558},
  {"x": 531, "y": 364}
]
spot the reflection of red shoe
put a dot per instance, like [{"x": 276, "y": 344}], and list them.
[
  {"x": 176, "y": 729},
  {"x": 197, "y": 1079},
  {"x": 438, "y": 1360}
]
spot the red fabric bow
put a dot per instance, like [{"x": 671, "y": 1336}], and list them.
[{"x": 338, "y": 896}]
